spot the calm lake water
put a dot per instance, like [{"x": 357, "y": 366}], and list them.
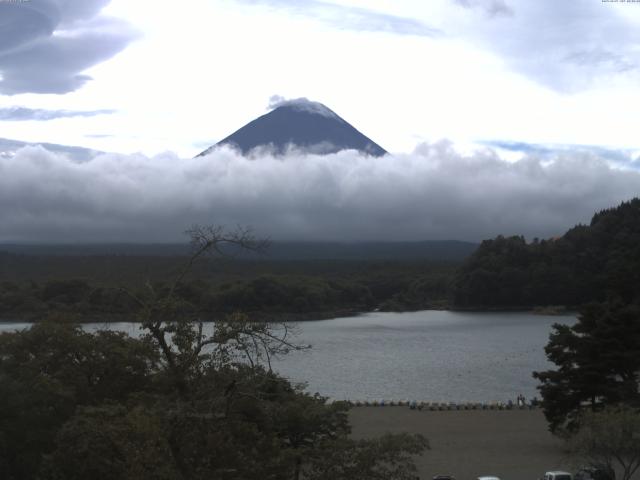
[{"x": 435, "y": 356}]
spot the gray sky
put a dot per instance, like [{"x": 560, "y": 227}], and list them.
[
  {"x": 527, "y": 112},
  {"x": 46, "y": 45}
]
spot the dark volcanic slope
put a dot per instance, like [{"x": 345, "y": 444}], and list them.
[{"x": 303, "y": 124}]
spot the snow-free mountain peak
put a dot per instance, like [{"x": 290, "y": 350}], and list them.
[{"x": 302, "y": 125}]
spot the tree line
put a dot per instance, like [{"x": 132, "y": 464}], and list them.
[
  {"x": 264, "y": 289},
  {"x": 588, "y": 263},
  {"x": 183, "y": 401}
]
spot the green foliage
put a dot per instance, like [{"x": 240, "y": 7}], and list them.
[
  {"x": 46, "y": 371},
  {"x": 184, "y": 402},
  {"x": 426, "y": 291},
  {"x": 269, "y": 292},
  {"x": 300, "y": 289},
  {"x": 110, "y": 442},
  {"x": 588, "y": 263},
  {"x": 81, "y": 405},
  {"x": 598, "y": 364},
  {"x": 65, "y": 291}
]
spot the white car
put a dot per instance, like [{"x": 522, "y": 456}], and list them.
[
  {"x": 488, "y": 477},
  {"x": 557, "y": 475}
]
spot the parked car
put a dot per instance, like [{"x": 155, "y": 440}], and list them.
[
  {"x": 557, "y": 475},
  {"x": 488, "y": 477},
  {"x": 599, "y": 472},
  {"x": 444, "y": 477}
]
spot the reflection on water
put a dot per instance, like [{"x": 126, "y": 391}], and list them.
[{"x": 429, "y": 355}]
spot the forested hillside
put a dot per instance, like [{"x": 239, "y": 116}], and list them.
[
  {"x": 588, "y": 263},
  {"x": 33, "y": 287}
]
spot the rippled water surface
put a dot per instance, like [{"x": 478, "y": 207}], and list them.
[{"x": 429, "y": 355}]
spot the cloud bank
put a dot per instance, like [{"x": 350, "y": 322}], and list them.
[
  {"x": 45, "y": 45},
  {"x": 434, "y": 193},
  {"x": 16, "y": 114}
]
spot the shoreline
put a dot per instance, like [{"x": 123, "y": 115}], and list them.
[
  {"x": 292, "y": 317},
  {"x": 289, "y": 317},
  {"x": 441, "y": 406}
]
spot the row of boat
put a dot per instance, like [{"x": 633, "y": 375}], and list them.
[{"x": 442, "y": 406}]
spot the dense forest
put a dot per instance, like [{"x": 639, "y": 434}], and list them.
[
  {"x": 181, "y": 402},
  {"x": 438, "y": 250},
  {"x": 92, "y": 286},
  {"x": 588, "y": 263}
]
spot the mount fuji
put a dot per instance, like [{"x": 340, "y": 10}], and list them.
[{"x": 302, "y": 125}]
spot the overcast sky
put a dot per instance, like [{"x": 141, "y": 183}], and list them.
[{"x": 541, "y": 97}]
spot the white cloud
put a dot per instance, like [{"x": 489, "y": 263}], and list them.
[
  {"x": 302, "y": 104},
  {"x": 434, "y": 193}
]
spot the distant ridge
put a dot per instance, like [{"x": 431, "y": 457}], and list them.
[
  {"x": 301, "y": 124},
  {"x": 445, "y": 250}
]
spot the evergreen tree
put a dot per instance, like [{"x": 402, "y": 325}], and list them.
[
  {"x": 586, "y": 264},
  {"x": 598, "y": 363}
]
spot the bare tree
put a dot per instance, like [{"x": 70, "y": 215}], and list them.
[
  {"x": 609, "y": 438},
  {"x": 180, "y": 333}
]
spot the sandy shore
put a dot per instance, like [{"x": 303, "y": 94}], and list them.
[{"x": 511, "y": 444}]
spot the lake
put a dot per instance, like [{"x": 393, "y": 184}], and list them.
[{"x": 436, "y": 356}]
